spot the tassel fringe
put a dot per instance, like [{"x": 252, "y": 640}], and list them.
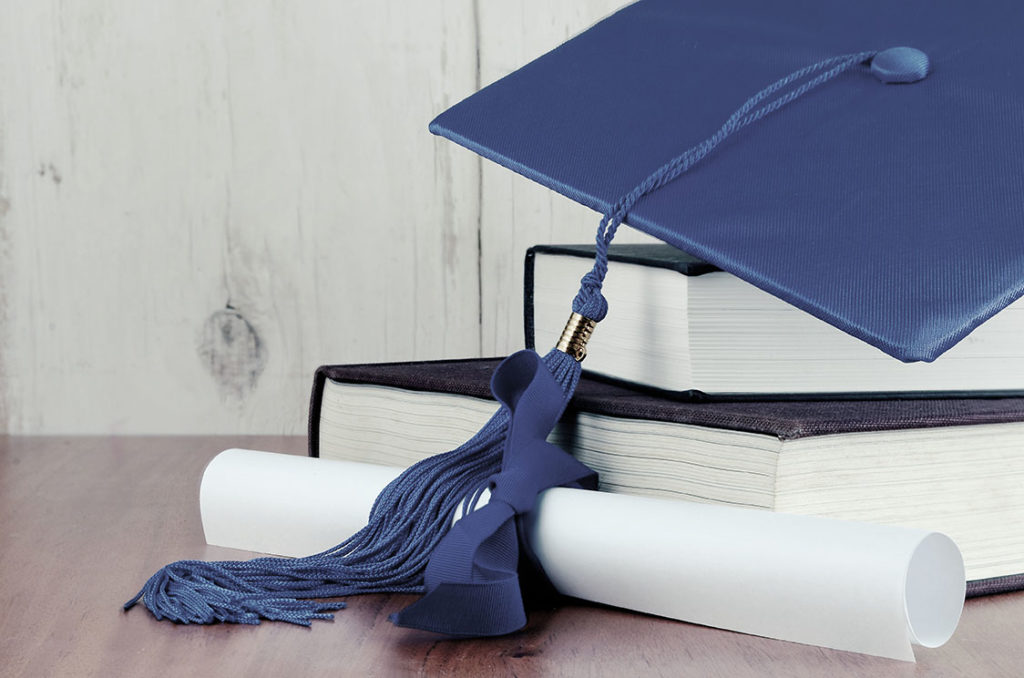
[{"x": 389, "y": 555}]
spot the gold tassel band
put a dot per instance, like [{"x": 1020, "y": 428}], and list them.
[{"x": 575, "y": 336}]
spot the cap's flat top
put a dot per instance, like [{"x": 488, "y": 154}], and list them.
[{"x": 894, "y": 212}]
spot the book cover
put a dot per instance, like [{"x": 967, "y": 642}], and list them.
[{"x": 784, "y": 419}]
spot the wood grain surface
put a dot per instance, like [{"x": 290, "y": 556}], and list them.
[{"x": 85, "y": 520}]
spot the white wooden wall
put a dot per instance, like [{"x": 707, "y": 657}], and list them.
[{"x": 201, "y": 202}]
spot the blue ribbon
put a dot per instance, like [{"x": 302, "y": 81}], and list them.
[{"x": 471, "y": 581}]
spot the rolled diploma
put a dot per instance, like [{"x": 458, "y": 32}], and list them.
[
  {"x": 285, "y": 504},
  {"x": 846, "y": 585}
]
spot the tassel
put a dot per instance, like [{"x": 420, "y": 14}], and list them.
[
  {"x": 389, "y": 555},
  {"x": 472, "y": 582}
]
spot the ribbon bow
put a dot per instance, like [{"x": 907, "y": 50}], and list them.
[{"x": 471, "y": 581}]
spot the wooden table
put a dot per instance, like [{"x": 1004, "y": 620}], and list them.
[{"x": 85, "y": 520}]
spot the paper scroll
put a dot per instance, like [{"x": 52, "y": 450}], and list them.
[{"x": 845, "y": 585}]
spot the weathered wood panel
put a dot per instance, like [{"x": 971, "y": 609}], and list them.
[{"x": 200, "y": 202}]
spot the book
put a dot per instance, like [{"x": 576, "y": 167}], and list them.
[
  {"x": 680, "y": 324},
  {"x": 951, "y": 465}
]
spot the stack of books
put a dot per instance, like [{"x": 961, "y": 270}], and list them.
[{"x": 700, "y": 387}]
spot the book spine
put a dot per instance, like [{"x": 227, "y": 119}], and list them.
[
  {"x": 315, "y": 401},
  {"x": 531, "y": 257}
]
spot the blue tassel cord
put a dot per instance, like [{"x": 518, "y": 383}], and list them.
[{"x": 414, "y": 512}]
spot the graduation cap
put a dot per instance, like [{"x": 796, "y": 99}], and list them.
[
  {"x": 862, "y": 161},
  {"x": 895, "y": 213}
]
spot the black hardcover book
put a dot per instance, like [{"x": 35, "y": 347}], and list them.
[{"x": 953, "y": 465}]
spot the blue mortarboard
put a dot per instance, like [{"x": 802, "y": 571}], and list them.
[
  {"x": 862, "y": 161},
  {"x": 894, "y": 212}
]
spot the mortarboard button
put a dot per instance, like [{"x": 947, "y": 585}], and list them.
[{"x": 900, "y": 65}]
